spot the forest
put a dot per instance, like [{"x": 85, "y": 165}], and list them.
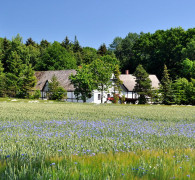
[{"x": 173, "y": 48}]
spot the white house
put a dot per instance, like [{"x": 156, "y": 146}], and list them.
[
  {"x": 44, "y": 77},
  {"x": 129, "y": 84}
]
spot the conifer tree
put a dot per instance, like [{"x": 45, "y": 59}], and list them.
[
  {"x": 27, "y": 79},
  {"x": 57, "y": 92},
  {"x": 167, "y": 95},
  {"x": 66, "y": 43},
  {"x": 29, "y": 42},
  {"x": 102, "y": 50},
  {"x": 2, "y": 80},
  {"x": 143, "y": 84}
]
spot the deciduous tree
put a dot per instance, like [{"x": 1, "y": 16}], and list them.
[
  {"x": 83, "y": 82},
  {"x": 102, "y": 72}
]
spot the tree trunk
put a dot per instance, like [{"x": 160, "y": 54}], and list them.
[{"x": 102, "y": 93}]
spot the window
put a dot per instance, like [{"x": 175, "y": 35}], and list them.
[
  {"x": 108, "y": 95},
  {"x": 99, "y": 97}
]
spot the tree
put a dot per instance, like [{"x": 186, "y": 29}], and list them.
[
  {"x": 2, "y": 80},
  {"x": 56, "y": 57},
  {"x": 190, "y": 92},
  {"x": 143, "y": 84},
  {"x": 188, "y": 69},
  {"x": 184, "y": 91},
  {"x": 44, "y": 44},
  {"x": 189, "y": 50},
  {"x": 6, "y": 48},
  {"x": 26, "y": 81},
  {"x": 76, "y": 47},
  {"x": 166, "y": 90},
  {"x": 115, "y": 44},
  {"x": 29, "y": 42},
  {"x": 89, "y": 55},
  {"x": 179, "y": 86},
  {"x": 83, "y": 82},
  {"x": 110, "y": 60},
  {"x": 56, "y": 91},
  {"x": 102, "y": 50},
  {"x": 67, "y": 44},
  {"x": 102, "y": 72},
  {"x": 116, "y": 79},
  {"x": 125, "y": 52}
]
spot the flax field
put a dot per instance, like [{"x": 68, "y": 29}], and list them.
[{"x": 60, "y": 140}]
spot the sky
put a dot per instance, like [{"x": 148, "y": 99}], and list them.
[{"x": 94, "y": 22}]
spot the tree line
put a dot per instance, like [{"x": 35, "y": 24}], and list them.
[{"x": 174, "y": 48}]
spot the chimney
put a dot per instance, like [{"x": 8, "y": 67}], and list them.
[{"x": 127, "y": 72}]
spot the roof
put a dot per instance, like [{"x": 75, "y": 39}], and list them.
[
  {"x": 63, "y": 79},
  {"x": 129, "y": 81},
  {"x": 61, "y": 75}
]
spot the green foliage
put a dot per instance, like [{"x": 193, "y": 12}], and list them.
[
  {"x": 123, "y": 99},
  {"x": 155, "y": 50},
  {"x": 44, "y": 44},
  {"x": 110, "y": 60},
  {"x": 156, "y": 96},
  {"x": 11, "y": 84},
  {"x": 30, "y": 42},
  {"x": 174, "y": 47},
  {"x": 101, "y": 72},
  {"x": 124, "y": 52},
  {"x": 27, "y": 80},
  {"x": 189, "y": 50},
  {"x": 56, "y": 57},
  {"x": 115, "y": 44},
  {"x": 102, "y": 50},
  {"x": 166, "y": 90},
  {"x": 83, "y": 82},
  {"x": 143, "y": 84},
  {"x": 35, "y": 94},
  {"x": 2, "y": 80},
  {"x": 56, "y": 91},
  {"x": 188, "y": 69},
  {"x": 116, "y": 79},
  {"x": 115, "y": 98},
  {"x": 184, "y": 91},
  {"x": 76, "y": 46},
  {"x": 89, "y": 55}
]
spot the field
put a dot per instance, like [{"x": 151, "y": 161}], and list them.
[{"x": 58, "y": 140}]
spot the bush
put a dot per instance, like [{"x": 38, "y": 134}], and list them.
[
  {"x": 123, "y": 99},
  {"x": 36, "y": 94},
  {"x": 59, "y": 94},
  {"x": 116, "y": 98}
]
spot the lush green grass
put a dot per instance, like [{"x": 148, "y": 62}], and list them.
[{"x": 57, "y": 140}]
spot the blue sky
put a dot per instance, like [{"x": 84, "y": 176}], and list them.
[{"x": 93, "y": 21}]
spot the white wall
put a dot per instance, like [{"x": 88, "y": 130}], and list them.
[{"x": 94, "y": 99}]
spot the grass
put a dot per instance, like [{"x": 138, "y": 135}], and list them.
[{"x": 59, "y": 140}]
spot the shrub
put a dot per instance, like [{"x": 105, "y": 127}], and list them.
[
  {"x": 123, "y": 99},
  {"x": 59, "y": 94},
  {"x": 116, "y": 98}
]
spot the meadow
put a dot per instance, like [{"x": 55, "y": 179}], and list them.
[{"x": 58, "y": 140}]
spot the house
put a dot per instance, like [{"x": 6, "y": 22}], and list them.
[
  {"x": 129, "y": 84},
  {"x": 44, "y": 77}
]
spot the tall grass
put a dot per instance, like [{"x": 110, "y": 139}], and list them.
[{"x": 49, "y": 140}]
